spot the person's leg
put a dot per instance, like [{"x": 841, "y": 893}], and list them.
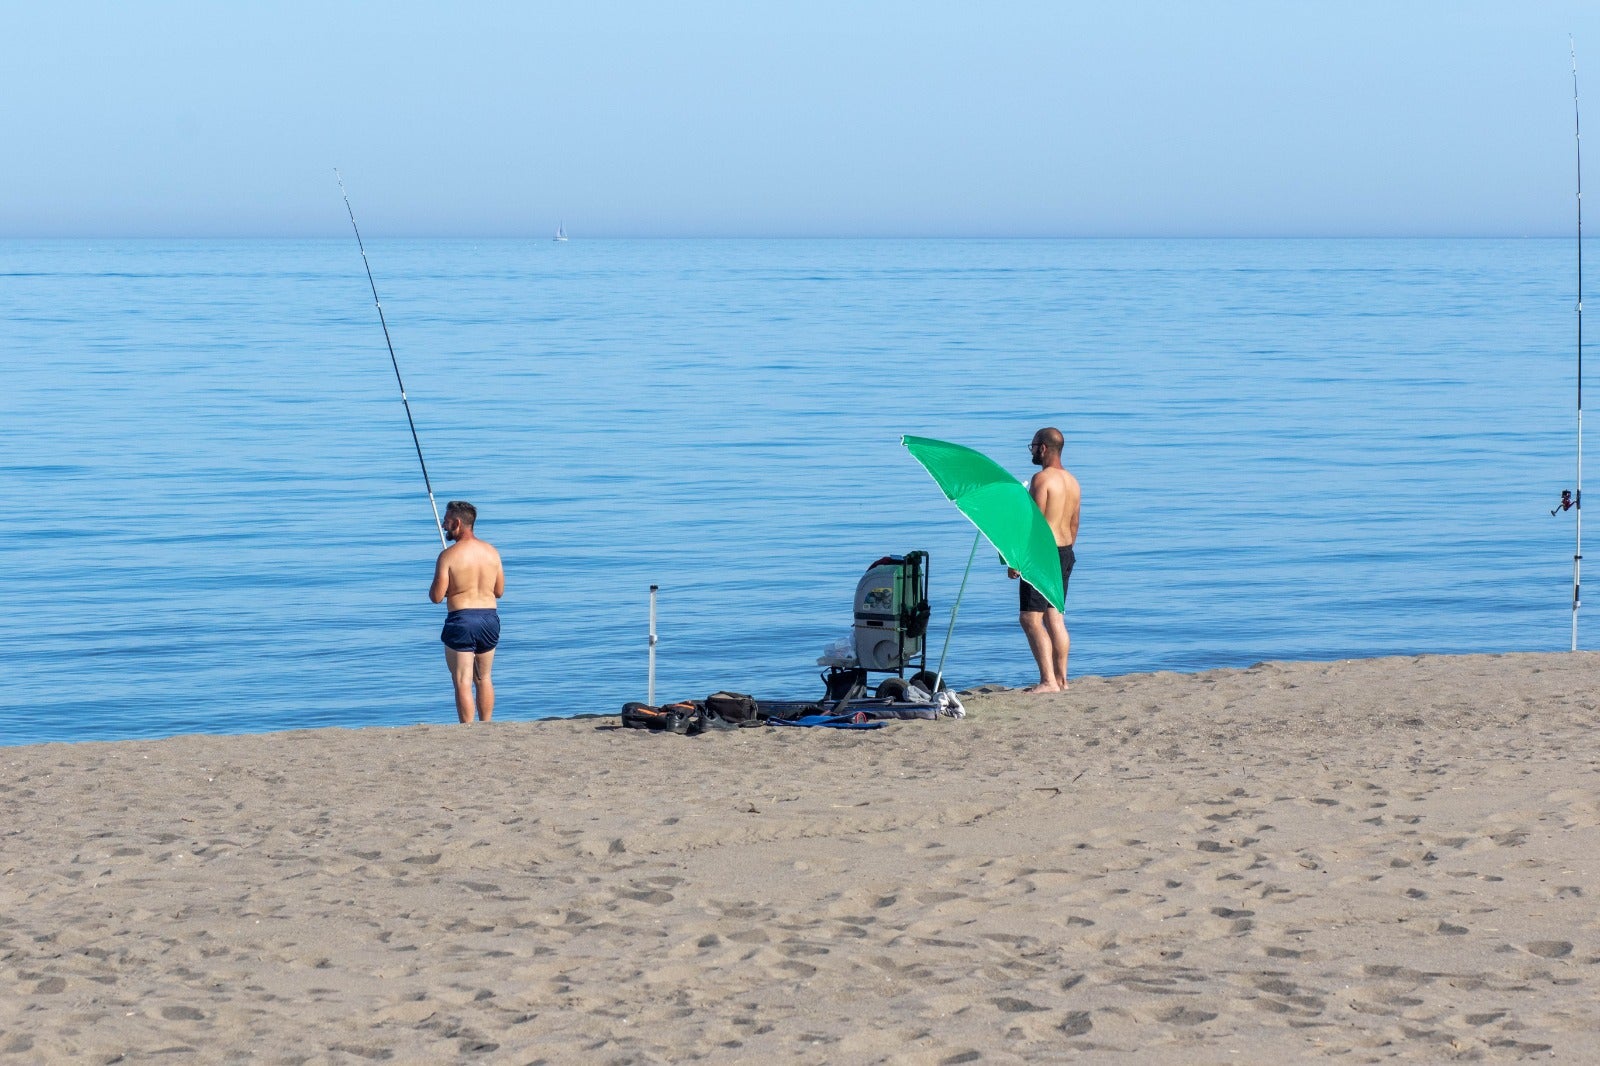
[
  {"x": 1060, "y": 644},
  {"x": 483, "y": 662},
  {"x": 1040, "y": 643},
  {"x": 461, "y": 668}
]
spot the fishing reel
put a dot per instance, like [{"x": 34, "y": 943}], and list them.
[{"x": 1567, "y": 502}]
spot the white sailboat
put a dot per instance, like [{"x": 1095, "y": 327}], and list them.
[{"x": 561, "y": 232}]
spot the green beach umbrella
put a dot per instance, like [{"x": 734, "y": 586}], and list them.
[{"x": 999, "y": 505}]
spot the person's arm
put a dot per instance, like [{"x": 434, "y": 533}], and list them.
[
  {"x": 499, "y": 577},
  {"x": 1039, "y": 489},
  {"x": 1074, "y": 502},
  {"x": 441, "y": 581}
]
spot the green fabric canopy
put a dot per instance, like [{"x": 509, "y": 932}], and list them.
[{"x": 999, "y": 505}]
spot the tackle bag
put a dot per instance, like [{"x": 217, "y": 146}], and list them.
[{"x": 731, "y": 706}]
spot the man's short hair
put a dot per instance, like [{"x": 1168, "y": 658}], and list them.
[
  {"x": 1051, "y": 438},
  {"x": 463, "y": 510}
]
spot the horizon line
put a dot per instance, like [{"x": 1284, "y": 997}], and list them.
[{"x": 796, "y": 237}]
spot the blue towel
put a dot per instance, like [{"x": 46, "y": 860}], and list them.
[{"x": 831, "y": 721}]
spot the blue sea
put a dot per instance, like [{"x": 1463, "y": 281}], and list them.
[{"x": 1289, "y": 449}]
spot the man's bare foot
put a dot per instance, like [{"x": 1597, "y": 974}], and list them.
[{"x": 1042, "y": 687}]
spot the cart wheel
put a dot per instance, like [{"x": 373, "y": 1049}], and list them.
[
  {"x": 926, "y": 678},
  {"x": 893, "y": 688}
]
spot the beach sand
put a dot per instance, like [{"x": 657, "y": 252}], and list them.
[{"x": 1363, "y": 861}]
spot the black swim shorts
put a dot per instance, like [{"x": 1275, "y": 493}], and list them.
[
  {"x": 474, "y": 629},
  {"x": 1032, "y": 600}
]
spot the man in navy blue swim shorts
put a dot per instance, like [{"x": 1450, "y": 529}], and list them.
[{"x": 469, "y": 580}]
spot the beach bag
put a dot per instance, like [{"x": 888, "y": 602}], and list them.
[
  {"x": 684, "y": 718},
  {"x": 731, "y": 706}
]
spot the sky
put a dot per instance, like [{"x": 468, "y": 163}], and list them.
[{"x": 821, "y": 118}]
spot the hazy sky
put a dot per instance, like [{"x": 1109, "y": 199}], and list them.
[{"x": 703, "y": 117}]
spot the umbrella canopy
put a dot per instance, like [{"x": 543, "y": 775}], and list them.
[{"x": 999, "y": 505}]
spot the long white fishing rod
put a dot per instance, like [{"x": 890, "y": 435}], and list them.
[
  {"x": 1577, "y": 500},
  {"x": 382, "y": 321}
]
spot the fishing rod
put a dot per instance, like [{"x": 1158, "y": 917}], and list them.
[
  {"x": 382, "y": 321},
  {"x": 1574, "y": 500}
]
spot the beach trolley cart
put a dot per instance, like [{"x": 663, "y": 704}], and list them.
[{"x": 890, "y": 630}]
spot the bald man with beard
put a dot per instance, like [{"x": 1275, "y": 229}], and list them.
[{"x": 1058, "y": 497}]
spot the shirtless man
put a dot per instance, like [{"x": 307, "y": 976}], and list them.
[
  {"x": 1057, "y": 495},
  {"x": 469, "y": 576}
]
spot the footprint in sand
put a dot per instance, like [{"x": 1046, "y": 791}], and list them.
[
  {"x": 1184, "y": 1016},
  {"x": 1012, "y": 1005}
]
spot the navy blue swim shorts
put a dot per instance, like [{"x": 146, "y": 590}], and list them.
[
  {"x": 474, "y": 629},
  {"x": 1032, "y": 601}
]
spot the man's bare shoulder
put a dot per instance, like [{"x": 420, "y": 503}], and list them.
[{"x": 1052, "y": 477}]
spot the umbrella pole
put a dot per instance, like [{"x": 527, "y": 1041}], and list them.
[{"x": 938, "y": 676}]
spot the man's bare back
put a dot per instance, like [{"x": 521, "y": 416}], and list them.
[
  {"x": 468, "y": 575},
  {"x": 1059, "y": 499}
]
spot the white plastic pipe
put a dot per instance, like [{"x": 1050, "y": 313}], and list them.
[{"x": 650, "y": 695}]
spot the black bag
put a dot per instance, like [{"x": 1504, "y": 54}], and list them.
[
  {"x": 731, "y": 707},
  {"x": 685, "y": 718}
]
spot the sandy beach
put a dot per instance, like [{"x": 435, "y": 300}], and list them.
[{"x": 1362, "y": 861}]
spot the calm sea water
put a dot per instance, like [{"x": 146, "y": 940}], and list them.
[{"x": 1288, "y": 449}]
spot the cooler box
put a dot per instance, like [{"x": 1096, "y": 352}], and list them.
[{"x": 890, "y": 613}]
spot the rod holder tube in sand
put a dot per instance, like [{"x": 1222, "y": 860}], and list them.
[
  {"x": 650, "y": 691},
  {"x": 938, "y": 676}
]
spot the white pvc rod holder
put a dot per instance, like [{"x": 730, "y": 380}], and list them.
[{"x": 650, "y": 696}]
